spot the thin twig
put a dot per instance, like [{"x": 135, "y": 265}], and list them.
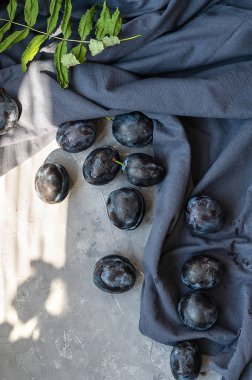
[
  {"x": 63, "y": 39},
  {"x": 131, "y": 38},
  {"x": 40, "y": 31}
]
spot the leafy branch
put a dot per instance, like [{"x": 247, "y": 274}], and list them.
[{"x": 106, "y": 30}]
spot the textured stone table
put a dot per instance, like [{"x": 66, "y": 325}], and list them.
[{"x": 54, "y": 323}]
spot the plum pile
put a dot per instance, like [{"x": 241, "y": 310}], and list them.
[
  {"x": 200, "y": 272},
  {"x": 125, "y": 207},
  {"x": 140, "y": 169}
]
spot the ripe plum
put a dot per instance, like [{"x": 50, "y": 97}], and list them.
[
  {"x": 125, "y": 208},
  {"x": 202, "y": 272},
  {"x": 114, "y": 274},
  {"x": 52, "y": 183},
  {"x": 76, "y": 136},
  {"x": 204, "y": 214},
  {"x": 197, "y": 311},
  {"x": 99, "y": 167},
  {"x": 141, "y": 169},
  {"x": 185, "y": 361},
  {"x": 133, "y": 129},
  {"x": 9, "y": 112}
]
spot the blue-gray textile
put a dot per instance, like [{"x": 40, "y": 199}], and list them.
[{"x": 191, "y": 71}]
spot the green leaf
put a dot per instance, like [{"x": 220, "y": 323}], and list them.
[
  {"x": 31, "y": 50},
  {"x": 4, "y": 29},
  {"x": 85, "y": 28},
  {"x": 61, "y": 58},
  {"x": 115, "y": 25},
  {"x": 11, "y": 9},
  {"x": 13, "y": 38},
  {"x": 69, "y": 60},
  {"x": 80, "y": 52},
  {"x": 108, "y": 25},
  {"x": 102, "y": 22},
  {"x": 110, "y": 41},
  {"x": 65, "y": 25},
  {"x": 95, "y": 47},
  {"x": 62, "y": 71},
  {"x": 86, "y": 23},
  {"x": 54, "y": 15},
  {"x": 31, "y": 11}
]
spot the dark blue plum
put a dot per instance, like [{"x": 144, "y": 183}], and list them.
[
  {"x": 204, "y": 214},
  {"x": 114, "y": 274},
  {"x": 185, "y": 361},
  {"x": 9, "y": 112},
  {"x": 133, "y": 129},
  {"x": 76, "y": 136},
  {"x": 202, "y": 272},
  {"x": 52, "y": 183},
  {"x": 197, "y": 311},
  {"x": 143, "y": 170},
  {"x": 125, "y": 208},
  {"x": 99, "y": 167}
]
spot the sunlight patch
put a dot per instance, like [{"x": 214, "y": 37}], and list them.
[
  {"x": 24, "y": 331},
  {"x": 56, "y": 303}
]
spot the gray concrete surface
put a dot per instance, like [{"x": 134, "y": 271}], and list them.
[{"x": 54, "y": 323}]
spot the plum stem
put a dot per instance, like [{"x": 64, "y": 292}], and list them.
[
  {"x": 109, "y": 118},
  {"x": 118, "y": 162}
]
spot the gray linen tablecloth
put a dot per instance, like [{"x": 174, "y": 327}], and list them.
[{"x": 191, "y": 71}]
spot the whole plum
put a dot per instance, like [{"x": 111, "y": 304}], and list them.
[
  {"x": 185, "y": 361},
  {"x": 125, "y": 208},
  {"x": 133, "y": 129},
  {"x": 202, "y": 272},
  {"x": 141, "y": 169},
  {"x": 114, "y": 274},
  {"x": 197, "y": 311},
  {"x": 52, "y": 183},
  {"x": 204, "y": 214},
  {"x": 76, "y": 136},
  {"x": 99, "y": 167},
  {"x": 9, "y": 112}
]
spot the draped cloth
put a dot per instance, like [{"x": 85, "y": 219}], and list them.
[{"x": 191, "y": 71}]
